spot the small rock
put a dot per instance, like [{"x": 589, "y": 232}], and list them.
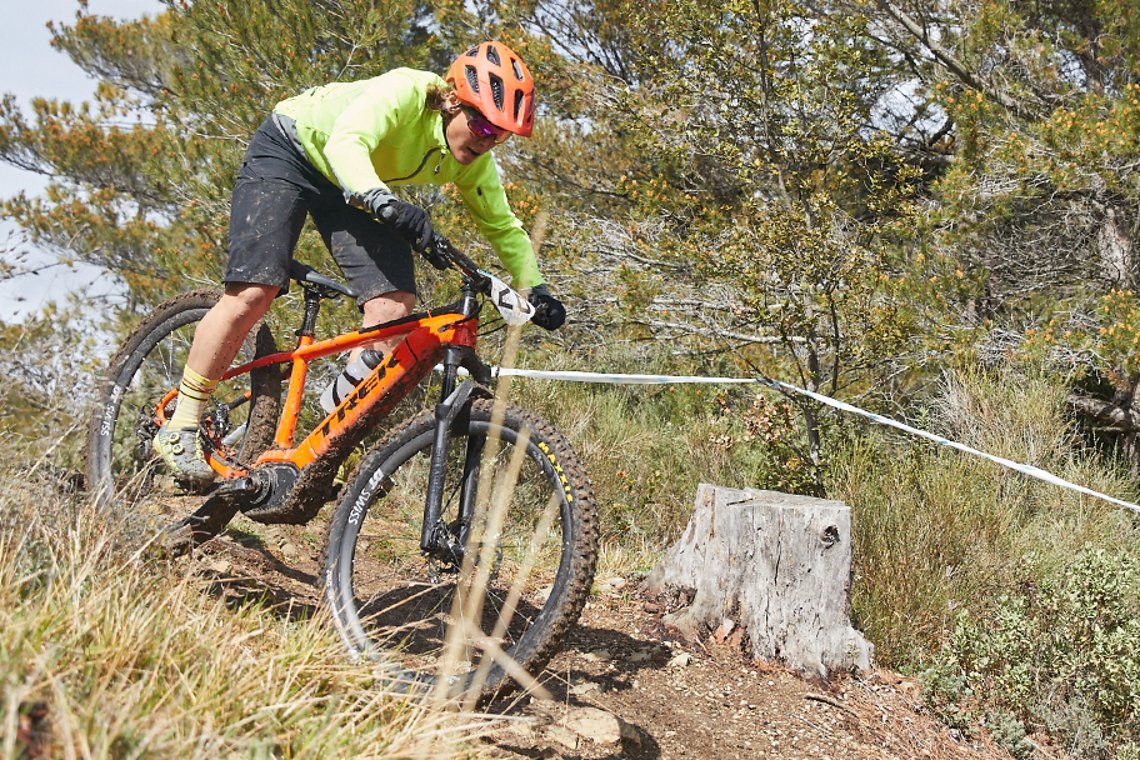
[
  {"x": 543, "y": 594},
  {"x": 722, "y": 632},
  {"x": 562, "y": 735},
  {"x": 596, "y": 725},
  {"x": 220, "y": 566},
  {"x": 598, "y": 655},
  {"x": 640, "y": 656},
  {"x": 611, "y": 585},
  {"x": 585, "y": 689},
  {"x": 522, "y": 728},
  {"x": 681, "y": 660}
]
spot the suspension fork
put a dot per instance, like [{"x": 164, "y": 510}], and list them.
[{"x": 453, "y": 402}]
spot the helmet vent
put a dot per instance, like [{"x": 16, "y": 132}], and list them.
[
  {"x": 493, "y": 55},
  {"x": 518, "y": 103},
  {"x": 517, "y": 68},
  {"x": 497, "y": 90},
  {"x": 472, "y": 78}
]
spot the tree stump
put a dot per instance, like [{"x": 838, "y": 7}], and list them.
[{"x": 777, "y": 566}]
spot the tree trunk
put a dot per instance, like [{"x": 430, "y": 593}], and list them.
[
  {"x": 1114, "y": 245},
  {"x": 778, "y": 566}
]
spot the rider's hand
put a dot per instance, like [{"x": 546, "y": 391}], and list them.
[
  {"x": 408, "y": 219},
  {"x": 414, "y": 224},
  {"x": 548, "y": 310},
  {"x": 411, "y": 221}
]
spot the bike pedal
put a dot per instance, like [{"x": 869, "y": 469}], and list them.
[{"x": 238, "y": 487}]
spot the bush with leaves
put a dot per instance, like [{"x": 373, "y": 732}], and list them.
[{"x": 1060, "y": 656}]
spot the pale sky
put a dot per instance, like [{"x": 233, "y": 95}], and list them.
[{"x": 30, "y": 67}]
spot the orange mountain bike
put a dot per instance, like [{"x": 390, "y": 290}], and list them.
[{"x": 412, "y": 524}]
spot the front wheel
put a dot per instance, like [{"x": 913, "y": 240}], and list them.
[{"x": 529, "y": 551}]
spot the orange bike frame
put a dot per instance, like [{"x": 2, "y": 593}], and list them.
[{"x": 426, "y": 336}]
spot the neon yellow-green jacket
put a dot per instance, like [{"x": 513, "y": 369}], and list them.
[{"x": 379, "y": 132}]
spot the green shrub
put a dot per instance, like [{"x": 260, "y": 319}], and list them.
[
  {"x": 1061, "y": 655},
  {"x": 936, "y": 531}
]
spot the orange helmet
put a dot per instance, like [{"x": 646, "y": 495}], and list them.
[{"x": 492, "y": 78}]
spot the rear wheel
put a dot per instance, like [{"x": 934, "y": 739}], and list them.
[
  {"x": 531, "y": 551},
  {"x": 240, "y": 423}
]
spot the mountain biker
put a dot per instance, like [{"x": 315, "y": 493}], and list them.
[{"x": 335, "y": 153}]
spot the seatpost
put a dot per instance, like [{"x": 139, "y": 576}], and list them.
[
  {"x": 299, "y": 371},
  {"x": 308, "y": 326}
]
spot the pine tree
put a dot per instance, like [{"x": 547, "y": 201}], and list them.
[
  {"x": 1038, "y": 204},
  {"x": 139, "y": 179}
]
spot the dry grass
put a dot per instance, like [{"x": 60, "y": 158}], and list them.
[
  {"x": 936, "y": 531},
  {"x": 108, "y": 650},
  {"x": 104, "y": 652}
]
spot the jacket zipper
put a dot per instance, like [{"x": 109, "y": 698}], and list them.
[{"x": 422, "y": 165}]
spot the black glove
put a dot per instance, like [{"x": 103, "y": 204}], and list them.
[
  {"x": 548, "y": 310},
  {"x": 409, "y": 220},
  {"x": 414, "y": 224}
]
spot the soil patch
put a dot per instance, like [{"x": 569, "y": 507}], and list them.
[{"x": 626, "y": 686}]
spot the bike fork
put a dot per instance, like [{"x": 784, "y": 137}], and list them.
[{"x": 453, "y": 401}]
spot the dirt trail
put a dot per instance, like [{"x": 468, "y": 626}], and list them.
[{"x": 624, "y": 687}]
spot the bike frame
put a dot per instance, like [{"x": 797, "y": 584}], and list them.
[
  {"x": 447, "y": 335},
  {"x": 428, "y": 335}
]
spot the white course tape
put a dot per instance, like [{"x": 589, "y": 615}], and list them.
[
  {"x": 625, "y": 379},
  {"x": 597, "y": 377}
]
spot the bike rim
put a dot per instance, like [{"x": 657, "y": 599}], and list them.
[
  {"x": 396, "y": 605},
  {"x": 129, "y": 465}
]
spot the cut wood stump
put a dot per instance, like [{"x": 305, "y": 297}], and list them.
[{"x": 777, "y": 566}]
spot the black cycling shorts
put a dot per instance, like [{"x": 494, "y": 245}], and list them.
[{"x": 275, "y": 189}]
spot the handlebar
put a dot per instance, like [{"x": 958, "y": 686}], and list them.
[
  {"x": 460, "y": 262},
  {"x": 513, "y": 306}
]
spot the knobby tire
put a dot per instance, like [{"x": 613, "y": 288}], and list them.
[{"x": 383, "y": 600}]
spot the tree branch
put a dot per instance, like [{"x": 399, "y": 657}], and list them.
[
  {"x": 1108, "y": 413},
  {"x": 950, "y": 61}
]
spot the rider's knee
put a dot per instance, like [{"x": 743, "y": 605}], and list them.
[
  {"x": 389, "y": 306},
  {"x": 248, "y": 300}
]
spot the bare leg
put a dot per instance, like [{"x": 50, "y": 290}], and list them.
[
  {"x": 385, "y": 308},
  {"x": 216, "y": 342},
  {"x": 221, "y": 332}
]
